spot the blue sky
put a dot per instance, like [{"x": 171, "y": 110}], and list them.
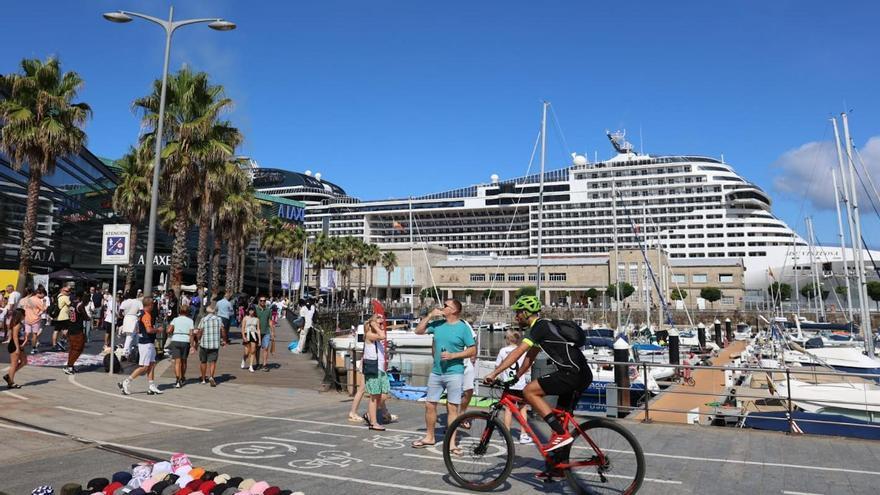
[{"x": 389, "y": 99}]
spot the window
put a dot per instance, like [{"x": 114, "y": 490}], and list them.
[
  {"x": 727, "y": 300},
  {"x": 725, "y": 278},
  {"x": 621, "y": 272},
  {"x": 498, "y": 277},
  {"x": 679, "y": 278},
  {"x": 478, "y": 277},
  {"x": 699, "y": 278},
  {"x": 557, "y": 277},
  {"x": 533, "y": 277},
  {"x": 516, "y": 277}
]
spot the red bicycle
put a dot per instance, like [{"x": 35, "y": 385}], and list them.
[{"x": 604, "y": 458}]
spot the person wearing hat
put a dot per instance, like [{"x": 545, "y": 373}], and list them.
[{"x": 208, "y": 336}]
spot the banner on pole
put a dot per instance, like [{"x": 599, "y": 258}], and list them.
[
  {"x": 285, "y": 273},
  {"x": 116, "y": 247},
  {"x": 297, "y": 274}
]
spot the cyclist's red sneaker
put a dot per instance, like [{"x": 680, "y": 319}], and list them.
[
  {"x": 557, "y": 441},
  {"x": 551, "y": 476}
]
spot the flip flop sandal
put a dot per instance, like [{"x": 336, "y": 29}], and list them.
[
  {"x": 354, "y": 418},
  {"x": 14, "y": 385},
  {"x": 377, "y": 428},
  {"x": 466, "y": 425},
  {"x": 419, "y": 444}
]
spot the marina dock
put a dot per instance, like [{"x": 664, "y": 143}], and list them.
[{"x": 670, "y": 406}]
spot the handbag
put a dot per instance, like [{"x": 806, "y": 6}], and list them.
[{"x": 371, "y": 366}]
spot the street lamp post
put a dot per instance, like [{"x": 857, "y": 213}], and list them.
[{"x": 169, "y": 26}]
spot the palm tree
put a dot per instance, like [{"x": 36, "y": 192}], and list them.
[
  {"x": 373, "y": 257},
  {"x": 276, "y": 236},
  {"x": 295, "y": 243},
  {"x": 39, "y": 123},
  {"x": 194, "y": 136},
  {"x": 389, "y": 262},
  {"x": 323, "y": 253},
  {"x": 360, "y": 259},
  {"x": 235, "y": 182},
  {"x": 131, "y": 199}
]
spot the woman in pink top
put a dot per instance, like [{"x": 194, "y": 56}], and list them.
[{"x": 34, "y": 306}]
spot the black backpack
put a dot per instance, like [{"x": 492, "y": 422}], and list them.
[
  {"x": 567, "y": 330},
  {"x": 54, "y": 310}
]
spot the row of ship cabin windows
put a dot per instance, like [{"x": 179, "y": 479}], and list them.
[{"x": 516, "y": 277}]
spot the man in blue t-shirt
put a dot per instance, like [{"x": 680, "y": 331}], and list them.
[{"x": 453, "y": 343}]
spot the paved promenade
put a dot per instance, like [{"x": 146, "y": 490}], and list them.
[{"x": 253, "y": 424}]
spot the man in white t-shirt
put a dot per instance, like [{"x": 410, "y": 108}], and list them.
[
  {"x": 13, "y": 297},
  {"x": 129, "y": 309},
  {"x": 109, "y": 305}
]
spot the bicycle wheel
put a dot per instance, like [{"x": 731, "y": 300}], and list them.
[
  {"x": 623, "y": 468},
  {"x": 484, "y": 457}
]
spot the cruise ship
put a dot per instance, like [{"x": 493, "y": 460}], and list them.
[{"x": 695, "y": 206}]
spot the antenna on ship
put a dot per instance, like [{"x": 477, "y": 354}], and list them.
[{"x": 618, "y": 140}]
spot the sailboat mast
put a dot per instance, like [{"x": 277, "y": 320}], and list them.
[
  {"x": 867, "y": 331},
  {"x": 645, "y": 277},
  {"x": 817, "y": 288},
  {"x": 663, "y": 281},
  {"x": 617, "y": 280},
  {"x": 846, "y": 203},
  {"x": 412, "y": 275},
  {"x": 842, "y": 242},
  {"x": 541, "y": 200}
]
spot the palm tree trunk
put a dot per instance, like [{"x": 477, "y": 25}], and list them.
[
  {"x": 388, "y": 288},
  {"x": 231, "y": 257},
  {"x": 29, "y": 228},
  {"x": 178, "y": 253},
  {"x": 202, "y": 256},
  {"x": 372, "y": 269},
  {"x": 318, "y": 269},
  {"x": 215, "y": 264},
  {"x": 241, "y": 260},
  {"x": 129, "y": 274}
]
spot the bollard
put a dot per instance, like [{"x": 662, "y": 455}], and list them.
[
  {"x": 719, "y": 340},
  {"x": 621, "y": 374},
  {"x": 674, "y": 352},
  {"x": 728, "y": 330},
  {"x": 701, "y": 335}
]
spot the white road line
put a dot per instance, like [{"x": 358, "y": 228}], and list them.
[
  {"x": 30, "y": 430},
  {"x": 327, "y": 433},
  {"x": 72, "y": 380},
  {"x": 172, "y": 425},
  {"x": 13, "y": 394},
  {"x": 408, "y": 488},
  {"x": 300, "y": 441},
  {"x": 441, "y": 459},
  {"x": 92, "y": 413},
  {"x": 787, "y": 492},
  {"x": 420, "y": 471}
]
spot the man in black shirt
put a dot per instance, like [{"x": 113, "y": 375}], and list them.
[{"x": 573, "y": 374}]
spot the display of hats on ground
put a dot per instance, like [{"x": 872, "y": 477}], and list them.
[{"x": 177, "y": 476}]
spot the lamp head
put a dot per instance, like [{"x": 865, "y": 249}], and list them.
[
  {"x": 221, "y": 25},
  {"x": 118, "y": 17}
]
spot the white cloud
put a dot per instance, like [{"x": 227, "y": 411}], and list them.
[{"x": 805, "y": 172}]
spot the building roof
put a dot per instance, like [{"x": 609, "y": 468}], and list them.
[
  {"x": 598, "y": 260},
  {"x": 270, "y": 178},
  {"x": 706, "y": 262},
  {"x": 277, "y": 199}
]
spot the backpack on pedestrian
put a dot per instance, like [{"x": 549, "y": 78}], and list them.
[{"x": 53, "y": 310}]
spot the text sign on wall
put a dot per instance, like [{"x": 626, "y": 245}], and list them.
[{"x": 292, "y": 213}]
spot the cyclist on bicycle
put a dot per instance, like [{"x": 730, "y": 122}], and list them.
[{"x": 573, "y": 374}]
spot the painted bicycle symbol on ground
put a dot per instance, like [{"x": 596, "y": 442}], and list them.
[
  {"x": 335, "y": 458},
  {"x": 255, "y": 449},
  {"x": 391, "y": 441},
  {"x": 468, "y": 444}
]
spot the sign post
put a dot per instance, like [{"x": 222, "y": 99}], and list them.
[{"x": 115, "y": 250}]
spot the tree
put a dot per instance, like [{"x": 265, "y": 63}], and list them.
[
  {"x": 131, "y": 200},
  {"x": 194, "y": 137},
  {"x": 235, "y": 214},
  {"x": 322, "y": 253},
  {"x": 626, "y": 290},
  {"x": 776, "y": 290},
  {"x": 235, "y": 183},
  {"x": 678, "y": 294},
  {"x": 276, "y": 236},
  {"x": 809, "y": 291},
  {"x": 389, "y": 262},
  {"x": 874, "y": 292},
  {"x": 430, "y": 293},
  {"x": 527, "y": 290},
  {"x": 39, "y": 123},
  {"x": 710, "y": 294},
  {"x": 840, "y": 290},
  {"x": 467, "y": 294},
  {"x": 487, "y": 296},
  {"x": 591, "y": 294},
  {"x": 372, "y": 257},
  {"x": 295, "y": 243}
]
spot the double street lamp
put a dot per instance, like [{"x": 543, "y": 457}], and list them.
[{"x": 170, "y": 26}]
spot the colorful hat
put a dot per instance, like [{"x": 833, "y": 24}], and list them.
[
  {"x": 72, "y": 489},
  {"x": 246, "y": 485},
  {"x": 259, "y": 488}
]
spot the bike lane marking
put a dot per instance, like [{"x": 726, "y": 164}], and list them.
[
  {"x": 172, "y": 425},
  {"x": 441, "y": 459},
  {"x": 313, "y": 432},
  {"x": 304, "y": 442},
  {"x": 787, "y": 492},
  {"x": 81, "y": 411},
  {"x": 419, "y": 471},
  {"x": 13, "y": 394}
]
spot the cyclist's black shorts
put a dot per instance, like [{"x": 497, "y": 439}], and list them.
[{"x": 568, "y": 386}]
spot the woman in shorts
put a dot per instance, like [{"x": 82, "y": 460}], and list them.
[
  {"x": 250, "y": 338},
  {"x": 17, "y": 357},
  {"x": 376, "y": 383}
]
